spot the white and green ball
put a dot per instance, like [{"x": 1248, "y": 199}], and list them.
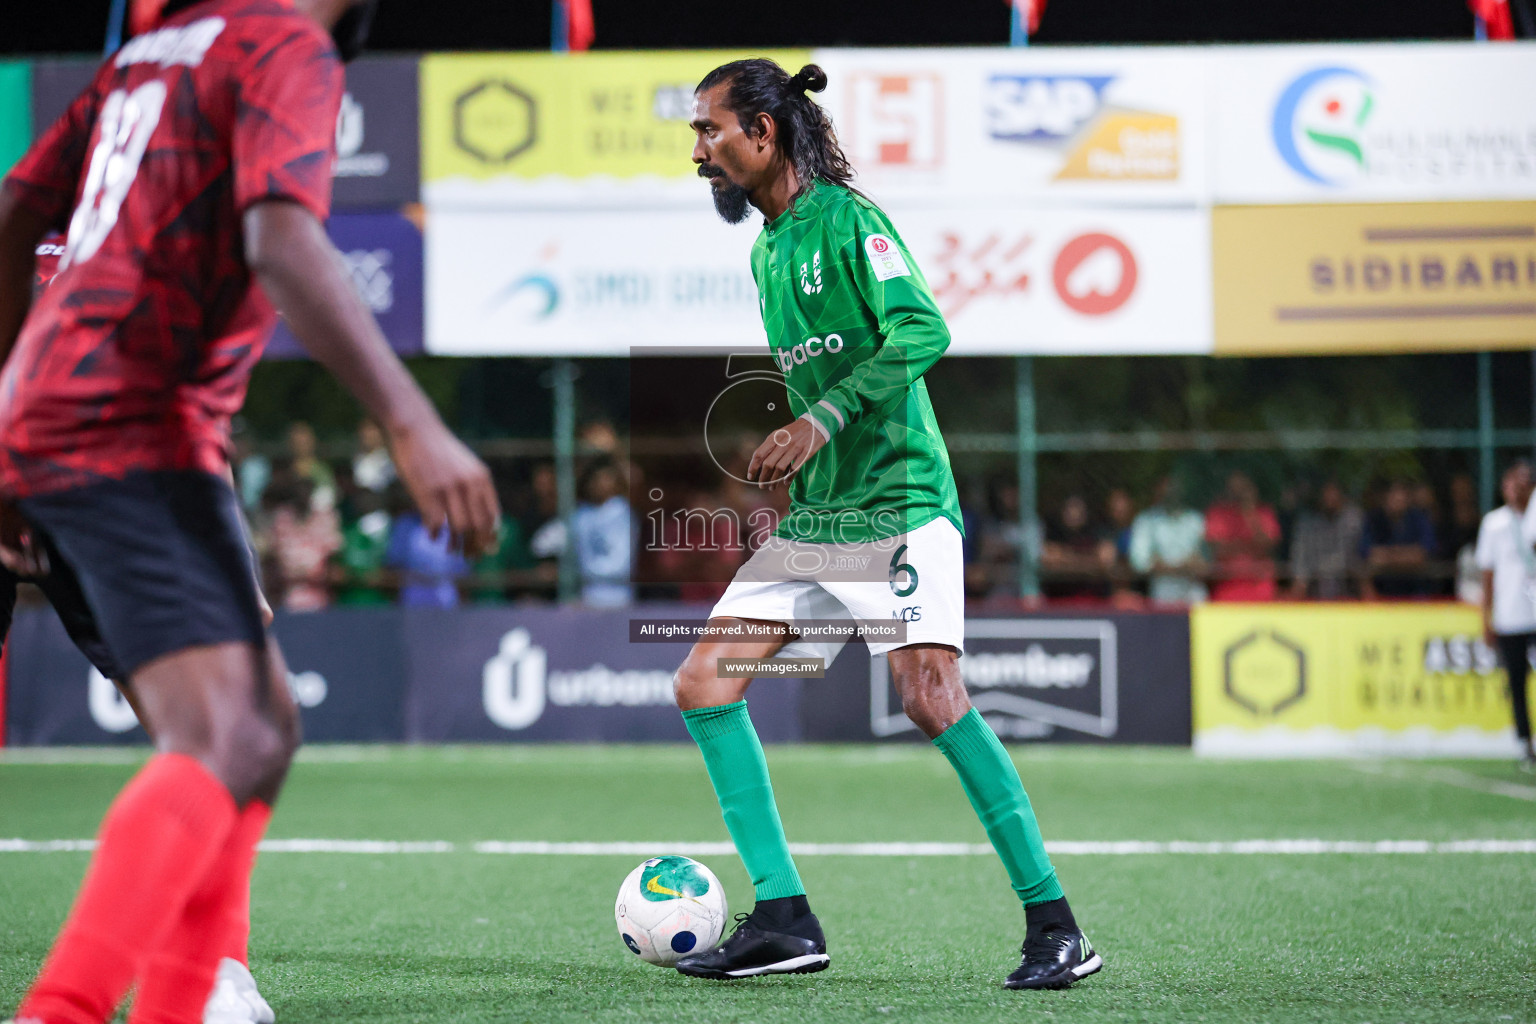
[{"x": 670, "y": 907}]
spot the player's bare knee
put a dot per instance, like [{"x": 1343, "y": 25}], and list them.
[{"x": 691, "y": 678}]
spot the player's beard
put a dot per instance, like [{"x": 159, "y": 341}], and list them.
[{"x": 731, "y": 201}]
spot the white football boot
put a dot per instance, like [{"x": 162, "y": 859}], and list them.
[{"x": 234, "y": 999}]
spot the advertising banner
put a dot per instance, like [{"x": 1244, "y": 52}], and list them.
[
  {"x": 346, "y": 672},
  {"x": 1340, "y": 680},
  {"x": 1398, "y": 122},
  {"x": 1291, "y": 280},
  {"x": 383, "y": 253},
  {"x": 952, "y": 127},
  {"x": 1045, "y": 281},
  {"x": 378, "y": 150},
  {"x": 502, "y": 129},
  {"x": 1114, "y": 677},
  {"x": 15, "y": 111},
  {"x": 556, "y": 674}
]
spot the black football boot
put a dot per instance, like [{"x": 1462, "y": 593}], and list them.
[
  {"x": 1054, "y": 957},
  {"x": 764, "y": 942}
]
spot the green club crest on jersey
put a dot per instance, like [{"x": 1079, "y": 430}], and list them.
[{"x": 670, "y": 878}]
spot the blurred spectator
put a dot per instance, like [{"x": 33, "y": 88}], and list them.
[
  {"x": 301, "y": 451},
  {"x": 304, "y": 536},
  {"x": 1508, "y": 563},
  {"x": 1459, "y": 539},
  {"x": 359, "y": 571},
  {"x": 1167, "y": 541},
  {"x": 546, "y": 530},
  {"x": 1120, "y": 511},
  {"x": 1074, "y": 559},
  {"x": 429, "y": 566},
  {"x": 491, "y": 584},
  {"x": 372, "y": 468},
  {"x": 604, "y": 531},
  {"x": 600, "y": 437},
  {"x": 1325, "y": 556},
  {"x": 1397, "y": 545},
  {"x": 1005, "y": 542},
  {"x": 1242, "y": 533},
  {"x": 253, "y": 470}
]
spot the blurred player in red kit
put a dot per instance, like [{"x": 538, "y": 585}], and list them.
[
  {"x": 235, "y": 998},
  {"x": 191, "y": 179}
]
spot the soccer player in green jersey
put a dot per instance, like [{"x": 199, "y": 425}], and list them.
[{"x": 873, "y": 533}]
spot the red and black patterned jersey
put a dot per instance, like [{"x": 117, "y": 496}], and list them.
[
  {"x": 46, "y": 264},
  {"x": 138, "y": 353}
]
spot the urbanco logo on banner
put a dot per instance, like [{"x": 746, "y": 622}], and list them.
[
  {"x": 1319, "y": 124},
  {"x": 351, "y": 134},
  {"x": 517, "y": 686},
  {"x": 111, "y": 711},
  {"x": 1029, "y": 677},
  {"x": 1068, "y": 114},
  {"x": 895, "y": 121}
]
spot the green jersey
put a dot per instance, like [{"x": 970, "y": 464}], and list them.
[{"x": 853, "y": 326}]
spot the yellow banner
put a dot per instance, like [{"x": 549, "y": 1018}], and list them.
[
  {"x": 527, "y": 116},
  {"x": 1389, "y": 277},
  {"x": 1288, "y": 679}
]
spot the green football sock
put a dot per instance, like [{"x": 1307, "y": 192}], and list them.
[
  {"x": 992, "y": 783},
  {"x": 739, "y": 773}
]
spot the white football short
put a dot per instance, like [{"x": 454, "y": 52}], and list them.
[{"x": 916, "y": 578}]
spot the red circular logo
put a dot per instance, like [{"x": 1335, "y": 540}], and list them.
[
  {"x": 1084, "y": 294},
  {"x": 880, "y": 244}
]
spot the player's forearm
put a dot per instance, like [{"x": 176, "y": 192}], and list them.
[
  {"x": 21, "y": 228},
  {"x": 288, "y": 251},
  {"x": 880, "y": 383}
]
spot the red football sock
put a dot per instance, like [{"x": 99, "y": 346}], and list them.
[
  {"x": 175, "y": 983},
  {"x": 158, "y": 840},
  {"x": 248, "y": 832}
]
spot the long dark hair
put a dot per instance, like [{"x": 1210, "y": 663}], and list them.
[{"x": 759, "y": 86}]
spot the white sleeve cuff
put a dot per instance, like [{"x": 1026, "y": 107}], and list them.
[{"x": 813, "y": 421}]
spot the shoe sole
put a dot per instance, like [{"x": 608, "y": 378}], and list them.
[
  {"x": 1093, "y": 965},
  {"x": 809, "y": 964}
]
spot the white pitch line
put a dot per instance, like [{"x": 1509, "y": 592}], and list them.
[
  {"x": 1448, "y": 777},
  {"x": 1126, "y": 848}
]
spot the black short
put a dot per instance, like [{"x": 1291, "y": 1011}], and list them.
[{"x": 146, "y": 566}]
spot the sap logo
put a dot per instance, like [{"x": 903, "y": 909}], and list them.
[
  {"x": 1036, "y": 669},
  {"x": 516, "y": 686},
  {"x": 1042, "y": 108},
  {"x": 810, "y": 275},
  {"x": 372, "y": 278},
  {"x": 808, "y": 349},
  {"x": 186, "y": 45},
  {"x": 912, "y": 613}
]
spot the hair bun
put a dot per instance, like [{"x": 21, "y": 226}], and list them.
[{"x": 809, "y": 79}]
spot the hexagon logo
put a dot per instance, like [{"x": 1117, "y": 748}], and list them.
[
  {"x": 495, "y": 122},
  {"x": 1265, "y": 673}
]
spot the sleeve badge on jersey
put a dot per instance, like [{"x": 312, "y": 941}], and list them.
[{"x": 885, "y": 257}]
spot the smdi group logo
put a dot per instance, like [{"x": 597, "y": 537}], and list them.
[{"x": 1319, "y": 125}]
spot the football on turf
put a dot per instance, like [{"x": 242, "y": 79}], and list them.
[{"x": 669, "y": 907}]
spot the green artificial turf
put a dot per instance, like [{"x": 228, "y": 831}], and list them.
[{"x": 467, "y": 936}]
